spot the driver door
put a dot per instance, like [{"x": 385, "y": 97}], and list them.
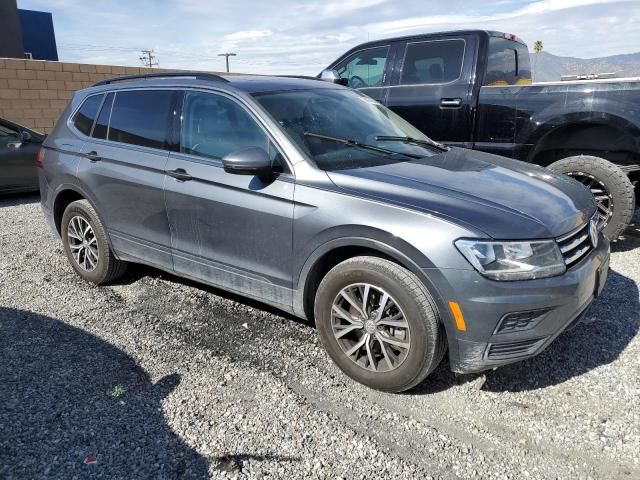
[
  {"x": 17, "y": 161},
  {"x": 369, "y": 70}
]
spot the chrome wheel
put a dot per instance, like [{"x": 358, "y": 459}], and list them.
[
  {"x": 370, "y": 327},
  {"x": 604, "y": 198},
  {"x": 83, "y": 243}
]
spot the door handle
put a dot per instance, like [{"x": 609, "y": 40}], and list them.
[
  {"x": 451, "y": 102},
  {"x": 93, "y": 156},
  {"x": 179, "y": 174}
]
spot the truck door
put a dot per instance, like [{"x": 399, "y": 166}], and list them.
[
  {"x": 368, "y": 70},
  {"x": 507, "y": 73},
  {"x": 431, "y": 87}
]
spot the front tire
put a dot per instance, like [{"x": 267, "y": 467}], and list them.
[
  {"x": 379, "y": 323},
  {"x": 610, "y": 186},
  {"x": 86, "y": 246}
]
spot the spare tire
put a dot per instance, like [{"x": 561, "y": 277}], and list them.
[{"x": 610, "y": 186}]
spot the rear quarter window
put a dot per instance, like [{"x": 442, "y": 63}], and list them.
[
  {"x": 142, "y": 117},
  {"x": 102, "y": 123},
  {"x": 86, "y": 115}
]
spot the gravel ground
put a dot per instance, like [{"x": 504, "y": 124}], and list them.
[{"x": 159, "y": 377}]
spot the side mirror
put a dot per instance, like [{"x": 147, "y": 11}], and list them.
[
  {"x": 25, "y": 137},
  {"x": 249, "y": 161},
  {"x": 330, "y": 75}
]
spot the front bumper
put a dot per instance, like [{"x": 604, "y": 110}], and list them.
[{"x": 508, "y": 322}]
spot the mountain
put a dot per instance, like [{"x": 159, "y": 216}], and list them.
[{"x": 548, "y": 67}]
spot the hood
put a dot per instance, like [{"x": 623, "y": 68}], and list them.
[{"x": 504, "y": 198}]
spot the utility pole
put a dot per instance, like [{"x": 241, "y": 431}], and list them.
[
  {"x": 226, "y": 57},
  {"x": 148, "y": 59}
]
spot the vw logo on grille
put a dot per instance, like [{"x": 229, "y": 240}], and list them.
[{"x": 593, "y": 230}]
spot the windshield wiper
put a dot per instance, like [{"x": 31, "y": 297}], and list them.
[
  {"x": 418, "y": 141},
  {"x": 354, "y": 143}
]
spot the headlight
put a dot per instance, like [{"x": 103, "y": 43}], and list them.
[{"x": 513, "y": 260}]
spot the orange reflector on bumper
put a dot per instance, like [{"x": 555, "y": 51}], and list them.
[{"x": 457, "y": 316}]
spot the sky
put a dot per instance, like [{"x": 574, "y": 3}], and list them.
[{"x": 303, "y": 37}]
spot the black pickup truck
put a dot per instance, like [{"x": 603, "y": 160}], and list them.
[{"x": 473, "y": 89}]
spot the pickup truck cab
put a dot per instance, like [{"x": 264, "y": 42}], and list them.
[{"x": 474, "y": 89}]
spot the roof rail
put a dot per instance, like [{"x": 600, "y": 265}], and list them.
[{"x": 144, "y": 76}]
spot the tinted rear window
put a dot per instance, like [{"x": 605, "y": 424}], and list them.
[
  {"x": 83, "y": 120},
  {"x": 437, "y": 61},
  {"x": 142, "y": 117},
  {"x": 100, "y": 130},
  {"x": 508, "y": 63}
]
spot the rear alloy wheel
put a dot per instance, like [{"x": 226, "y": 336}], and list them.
[
  {"x": 83, "y": 243},
  {"x": 611, "y": 188},
  {"x": 86, "y": 245},
  {"x": 379, "y": 323}
]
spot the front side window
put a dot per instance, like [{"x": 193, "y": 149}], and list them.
[
  {"x": 508, "y": 63},
  {"x": 364, "y": 68},
  {"x": 142, "y": 117},
  {"x": 307, "y": 115},
  {"x": 85, "y": 117},
  {"x": 437, "y": 61},
  {"x": 214, "y": 126}
]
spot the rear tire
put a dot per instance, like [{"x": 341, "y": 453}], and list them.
[
  {"x": 86, "y": 245},
  {"x": 598, "y": 172},
  {"x": 409, "y": 330}
]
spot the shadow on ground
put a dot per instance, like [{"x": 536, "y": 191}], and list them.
[
  {"x": 67, "y": 394},
  {"x": 15, "y": 199},
  {"x": 630, "y": 238},
  {"x": 610, "y": 324}
]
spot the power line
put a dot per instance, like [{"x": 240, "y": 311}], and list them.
[{"x": 148, "y": 58}]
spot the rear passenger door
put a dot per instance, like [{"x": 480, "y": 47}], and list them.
[
  {"x": 233, "y": 231},
  {"x": 431, "y": 87},
  {"x": 123, "y": 165}
]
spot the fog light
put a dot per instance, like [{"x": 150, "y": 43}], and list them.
[{"x": 518, "y": 321}]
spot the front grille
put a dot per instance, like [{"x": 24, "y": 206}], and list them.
[
  {"x": 575, "y": 245},
  {"x": 517, "y": 321},
  {"x": 504, "y": 351}
]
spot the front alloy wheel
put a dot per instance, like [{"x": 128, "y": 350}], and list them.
[
  {"x": 370, "y": 327},
  {"x": 379, "y": 323}
]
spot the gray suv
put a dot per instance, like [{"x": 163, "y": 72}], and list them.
[{"x": 318, "y": 200}]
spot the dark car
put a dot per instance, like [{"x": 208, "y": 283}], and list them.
[
  {"x": 473, "y": 89},
  {"x": 19, "y": 148},
  {"x": 316, "y": 199}
]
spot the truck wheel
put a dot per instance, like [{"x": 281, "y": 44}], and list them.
[
  {"x": 379, "y": 323},
  {"x": 610, "y": 186}
]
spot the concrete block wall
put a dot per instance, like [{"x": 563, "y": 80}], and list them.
[{"x": 34, "y": 93}]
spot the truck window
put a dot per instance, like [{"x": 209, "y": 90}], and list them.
[
  {"x": 364, "y": 68},
  {"x": 436, "y": 61},
  {"x": 508, "y": 63}
]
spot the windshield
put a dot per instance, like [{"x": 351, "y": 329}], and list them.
[{"x": 309, "y": 115}]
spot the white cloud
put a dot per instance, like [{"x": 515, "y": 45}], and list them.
[
  {"x": 248, "y": 35},
  {"x": 288, "y": 36}
]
